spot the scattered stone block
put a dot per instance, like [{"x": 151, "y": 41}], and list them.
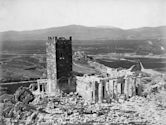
[{"x": 24, "y": 95}]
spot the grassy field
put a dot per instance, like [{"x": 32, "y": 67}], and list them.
[
  {"x": 29, "y": 67},
  {"x": 23, "y": 60},
  {"x": 22, "y": 67}
]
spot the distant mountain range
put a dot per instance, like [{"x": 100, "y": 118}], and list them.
[{"x": 79, "y": 32}]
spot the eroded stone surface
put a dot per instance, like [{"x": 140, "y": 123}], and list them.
[
  {"x": 72, "y": 108},
  {"x": 24, "y": 95}
]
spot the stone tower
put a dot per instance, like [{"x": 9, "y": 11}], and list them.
[{"x": 59, "y": 62}]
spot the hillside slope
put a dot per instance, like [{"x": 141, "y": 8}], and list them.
[{"x": 86, "y": 33}]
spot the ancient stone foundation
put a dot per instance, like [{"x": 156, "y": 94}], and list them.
[{"x": 97, "y": 89}]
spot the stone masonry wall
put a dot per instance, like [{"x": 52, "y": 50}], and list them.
[
  {"x": 97, "y": 89},
  {"x": 51, "y": 65}
]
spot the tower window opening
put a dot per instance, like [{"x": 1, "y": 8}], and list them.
[{"x": 61, "y": 55}]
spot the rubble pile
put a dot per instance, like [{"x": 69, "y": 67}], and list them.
[
  {"x": 80, "y": 55},
  {"x": 154, "y": 84},
  {"x": 71, "y": 108},
  {"x": 24, "y": 95},
  {"x": 148, "y": 108},
  {"x": 16, "y": 107},
  {"x": 26, "y": 109}
]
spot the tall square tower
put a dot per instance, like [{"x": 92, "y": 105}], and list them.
[{"x": 59, "y": 62}]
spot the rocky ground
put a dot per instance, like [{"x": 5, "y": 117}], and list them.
[
  {"x": 25, "y": 108},
  {"x": 71, "y": 108}
]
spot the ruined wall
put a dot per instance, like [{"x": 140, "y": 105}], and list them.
[
  {"x": 97, "y": 89},
  {"x": 84, "y": 90},
  {"x": 87, "y": 87}
]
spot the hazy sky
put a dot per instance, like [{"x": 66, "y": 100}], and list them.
[{"x": 36, "y": 14}]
